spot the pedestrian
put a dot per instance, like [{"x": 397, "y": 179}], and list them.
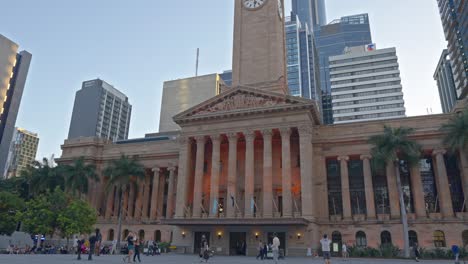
[
  {"x": 131, "y": 247},
  {"x": 98, "y": 242},
  {"x": 114, "y": 246},
  {"x": 80, "y": 242},
  {"x": 344, "y": 250},
  {"x": 137, "y": 249},
  {"x": 92, "y": 246},
  {"x": 275, "y": 247},
  {"x": 456, "y": 253},
  {"x": 325, "y": 242},
  {"x": 260, "y": 250},
  {"x": 75, "y": 244},
  {"x": 265, "y": 251},
  {"x": 417, "y": 255}
]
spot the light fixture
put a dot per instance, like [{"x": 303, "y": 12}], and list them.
[
  {"x": 183, "y": 234},
  {"x": 220, "y": 234},
  {"x": 299, "y": 235},
  {"x": 256, "y": 235}
]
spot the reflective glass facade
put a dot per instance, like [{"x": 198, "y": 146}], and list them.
[{"x": 311, "y": 12}]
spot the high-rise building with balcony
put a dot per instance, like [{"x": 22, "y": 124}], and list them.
[
  {"x": 331, "y": 40},
  {"x": 454, "y": 15},
  {"x": 366, "y": 85},
  {"x": 14, "y": 69},
  {"x": 444, "y": 77},
  {"x": 23, "y": 151},
  {"x": 100, "y": 110}
]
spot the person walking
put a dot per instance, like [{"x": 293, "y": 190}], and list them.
[
  {"x": 75, "y": 244},
  {"x": 417, "y": 255},
  {"x": 92, "y": 246},
  {"x": 325, "y": 242},
  {"x": 260, "y": 250},
  {"x": 275, "y": 248},
  {"x": 344, "y": 250},
  {"x": 114, "y": 247},
  {"x": 137, "y": 249},
  {"x": 456, "y": 253},
  {"x": 98, "y": 242},
  {"x": 265, "y": 251},
  {"x": 80, "y": 242},
  {"x": 131, "y": 247}
]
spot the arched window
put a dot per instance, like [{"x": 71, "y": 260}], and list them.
[
  {"x": 465, "y": 238},
  {"x": 361, "y": 239},
  {"x": 110, "y": 235},
  {"x": 439, "y": 239},
  {"x": 141, "y": 235},
  {"x": 413, "y": 238},
  {"x": 385, "y": 238},
  {"x": 157, "y": 236},
  {"x": 125, "y": 234}
]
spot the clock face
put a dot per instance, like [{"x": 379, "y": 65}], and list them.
[{"x": 253, "y": 4}]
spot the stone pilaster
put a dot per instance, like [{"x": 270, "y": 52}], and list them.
[
  {"x": 286, "y": 171},
  {"x": 215, "y": 167},
  {"x": 182, "y": 178},
  {"x": 146, "y": 196},
  {"x": 198, "y": 183},
  {"x": 267, "y": 174},
  {"x": 306, "y": 158},
  {"x": 155, "y": 193},
  {"x": 464, "y": 174},
  {"x": 171, "y": 193},
  {"x": 418, "y": 192},
  {"x": 393, "y": 195},
  {"x": 443, "y": 188},
  {"x": 249, "y": 173},
  {"x": 110, "y": 201},
  {"x": 368, "y": 187},
  {"x": 347, "y": 213},
  {"x": 131, "y": 202},
  {"x": 232, "y": 175}
]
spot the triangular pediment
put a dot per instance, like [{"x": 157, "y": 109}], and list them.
[{"x": 243, "y": 101}]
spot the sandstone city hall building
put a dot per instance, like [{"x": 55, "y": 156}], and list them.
[{"x": 253, "y": 161}]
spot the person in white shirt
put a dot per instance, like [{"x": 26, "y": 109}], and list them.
[
  {"x": 114, "y": 247},
  {"x": 275, "y": 248},
  {"x": 344, "y": 249},
  {"x": 326, "y": 248}
]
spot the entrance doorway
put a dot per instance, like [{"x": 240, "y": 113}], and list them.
[
  {"x": 237, "y": 243},
  {"x": 282, "y": 239},
  {"x": 198, "y": 240}
]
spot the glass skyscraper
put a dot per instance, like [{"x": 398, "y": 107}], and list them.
[
  {"x": 454, "y": 15},
  {"x": 331, "y": 40},
  {"x": 310, "y": 12}
]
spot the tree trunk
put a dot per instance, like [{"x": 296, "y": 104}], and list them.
[
  {"x": 404, "y": 217},
  {"x": 119, "y": 229}
]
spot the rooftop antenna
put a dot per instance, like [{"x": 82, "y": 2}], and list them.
[{"x": 196, "y": 65}]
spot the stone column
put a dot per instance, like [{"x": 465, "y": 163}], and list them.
[
  {"x": 286, "y": 171},
  {"x": 182, "y": 178},
  {"x": 125, "y": 204},
  {"x": 170, "y": 194},
  {"x": 443, "y": 188},
  {"x": 267, "y": 174},
  {"x": 139, "y": 197},
  {"x": 110, "y": 201},
  {"x": 198, "y": 183},
  {"x": 418, "y": 192},
  {"x": 215, "y": 167},
  {"x": 368, "y": 187},
  {"x": 464, "y": 174},
  {"x": 116, "y": 203},
  {"x": 162, "y": 186},
  {"x": 131, "y": 203},
  {"x": 146, "y": 196},
  {"x": 249, "y": 172},
  {"x": 346, "y": 196},
  {"x": 393, "y": 195},
  {"x": 306, "y": 161},
  {"x": 232, "y": 175},
  {"x": 154, "y": 195}
]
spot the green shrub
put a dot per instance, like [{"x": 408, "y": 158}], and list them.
[{"x": 389, "y": 251}]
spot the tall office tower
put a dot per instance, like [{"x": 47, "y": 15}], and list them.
[
  {"x": 14, "y": 69},
  {"x": 331, "y": 40},
  {"x": 180, "y": 95},
  {"x": 366, "y": 85},
  {"x": 100, "y": 110},
  {"x": 311, "y": 12},
  {"x": 454, "y": 14},
  {"x": 302, "y": 59},
  {"x": 226, "y": 76},
  {"x": 444, "y": 77},
  {"x": 23, "y": 151}
]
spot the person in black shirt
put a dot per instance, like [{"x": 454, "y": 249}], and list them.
[
  {"x": 80, "y": 244},
  {"x": 92, "y": 246},
  {"x": 131, "y": 246}
]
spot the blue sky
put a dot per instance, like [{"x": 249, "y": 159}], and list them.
[{"x": 137, "y": 45}]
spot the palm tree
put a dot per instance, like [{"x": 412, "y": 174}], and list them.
[
  {"x": 78, "y": 175},
  {"x": 122, "y": 173},
  {"x": 42, "y": 176},
  {"x": 456, "y": 137},
  {"x": 389, "y": 148}
]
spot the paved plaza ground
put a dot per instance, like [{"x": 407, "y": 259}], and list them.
[{"x": 189, "y": 259}]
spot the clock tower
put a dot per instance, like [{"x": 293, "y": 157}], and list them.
[{"x": 259, "y": 55}]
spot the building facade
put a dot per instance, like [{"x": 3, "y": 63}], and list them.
[
  {"x": 14, "y": 69},
  {"x": 331, "y": 40},
  {"x": 454, "y": 15},
  {"x": 100, "y": 110},
  {"x": 23, "y": 151},
  {"x": 366, "y": 85},
  {"x": 310, "y": 12},
  {"x": 445, "y": 82},
  {"x": 253, "y": 161},
  {"x": 179, "y": 95}
]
